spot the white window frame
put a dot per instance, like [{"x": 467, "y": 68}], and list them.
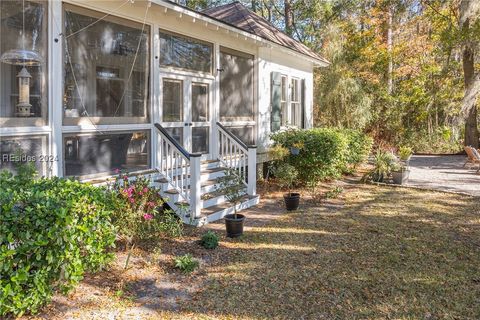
[{"x": 293, "y": 109}]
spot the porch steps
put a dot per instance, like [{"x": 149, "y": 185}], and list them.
[{"x": 214, "y": 204}]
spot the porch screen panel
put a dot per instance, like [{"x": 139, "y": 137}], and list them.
[
  {"x": 236, "y": 86},
  {"x": 200, "y": 137},
  {"x": 186, "y": 53},
  {"x": 36, "y": 36},
  {"x": 87, "y": 154},
  {"x": 244, "y": 133},
  {"x": 172, "y": 110},
  {"x": 106, "y": 79},
  {"x": 25, "y": 149},
  {"x": 199, "y": 102}
]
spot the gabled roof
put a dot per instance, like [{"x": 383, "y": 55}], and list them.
[{"x": 239, "y": 16}]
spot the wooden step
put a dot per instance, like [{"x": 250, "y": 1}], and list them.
[{"x": 215, "y": 213}]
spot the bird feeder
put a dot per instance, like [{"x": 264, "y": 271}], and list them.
[{"x": 24, "y": 106}]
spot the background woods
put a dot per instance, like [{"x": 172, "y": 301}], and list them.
[{"x": 404, "y": 71}]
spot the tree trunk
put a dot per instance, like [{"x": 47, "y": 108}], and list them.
[
  {"x": 469, "y": 103},
  {"x": 288, "y": 17},
  {"x": 390, "y": 49},
  {"x": 469, "y": 11}
]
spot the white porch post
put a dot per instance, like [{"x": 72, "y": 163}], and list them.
[
  {"x": 252, "y": 171},
  {"x": 55, "y": 84},
  {"x": 195, "y": 185}
]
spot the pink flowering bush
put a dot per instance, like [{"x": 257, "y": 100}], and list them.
[{"x": 140, "y": 214}]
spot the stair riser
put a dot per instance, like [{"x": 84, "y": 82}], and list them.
[
  {"x": 242, "y": 206},
  {"x": 210, "y": 165},
  {"x": 213, "y": 201}
]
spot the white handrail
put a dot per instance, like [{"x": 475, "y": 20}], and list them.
[
  {"x": 234, "y": 154},
  {"x": 175, "y": 166},
  {"x": 181, "y": 169}
]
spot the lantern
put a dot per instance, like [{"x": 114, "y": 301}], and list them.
[{"x": 24, "y": 106}]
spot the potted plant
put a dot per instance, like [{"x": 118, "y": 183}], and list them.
[
  {"x": 286, "y": 175},
  {"x": 232, "y": 187},
  {"x": 383, "y": 163},
  {"x": 405, "y": 153},
  {"x": 400, "y": 173}
]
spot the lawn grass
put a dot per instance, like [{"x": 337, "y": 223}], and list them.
[
  {"x": 373, "y": 253},
  {"x": 383, "y": 253}
]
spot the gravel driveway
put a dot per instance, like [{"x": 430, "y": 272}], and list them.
[{"x": 444, "y": 173}]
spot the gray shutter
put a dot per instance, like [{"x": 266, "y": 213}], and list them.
[
  {"x": 276, "y": 88},
  {"x": 302, "y": 104}
]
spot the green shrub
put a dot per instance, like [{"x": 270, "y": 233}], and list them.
[
  {"x": 209, "y": 240},
  {"x": 52, "y": 231},
  {"x": 186, "y": 263},
  {"x": 138, "y": 214},
  {"x": 358, "y": 149},
  {"x": 323, "y": 155}
]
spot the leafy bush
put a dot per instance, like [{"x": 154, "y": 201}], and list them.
[
  {"x": 326, "y": 153},
  {"x": 138, "y": 215},
  {"x": 209, "y": 240},
  {"x": 186, "y": 263},
  {"x": 52, "y": 231},
  {"x": 359, "y": 147},
  {"x": 384, "y": 163}
]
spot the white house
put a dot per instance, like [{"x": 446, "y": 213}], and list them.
[{"x": 88, "y": 87}]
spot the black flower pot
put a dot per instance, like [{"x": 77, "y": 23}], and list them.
[
  {"x": 292, "y": 201},
  {"x": 234, "y": 225}
]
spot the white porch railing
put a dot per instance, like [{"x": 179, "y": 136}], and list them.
[
  {"x": 235, "y": 154},
  {"x": 180, "y": 168}
]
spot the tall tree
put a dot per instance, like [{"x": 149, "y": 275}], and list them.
[
  {"x": 288, "y": 16},
  {"x": 469, "y": 12}
]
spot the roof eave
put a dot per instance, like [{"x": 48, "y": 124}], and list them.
[{"x": 197, "y": 15}]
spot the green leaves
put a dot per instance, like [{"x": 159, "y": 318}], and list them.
[
  {"x": 209, "y": 240},
  {"x": 326, "y": 152},
  {"x": 52, "y": 231},
  {"x": 186, "y": 263}
]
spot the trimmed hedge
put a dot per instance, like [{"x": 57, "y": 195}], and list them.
[
  {"x": 52, "y": 231},
  {"x": 325, "y": 153}
]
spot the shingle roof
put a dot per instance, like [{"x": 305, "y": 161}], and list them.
[{"x": 239, "y": 16}]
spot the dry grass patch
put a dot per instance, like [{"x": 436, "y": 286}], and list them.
[{"x": 372, "y": 253}]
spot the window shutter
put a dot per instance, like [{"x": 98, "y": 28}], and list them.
[
  {"x": 276, "y": 89},
  {"x": 302, "y": 104}
]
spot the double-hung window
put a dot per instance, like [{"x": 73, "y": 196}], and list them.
[{"x": 295, "y": 103}]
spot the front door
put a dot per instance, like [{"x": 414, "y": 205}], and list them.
[{"x": 187, "y": 112}]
